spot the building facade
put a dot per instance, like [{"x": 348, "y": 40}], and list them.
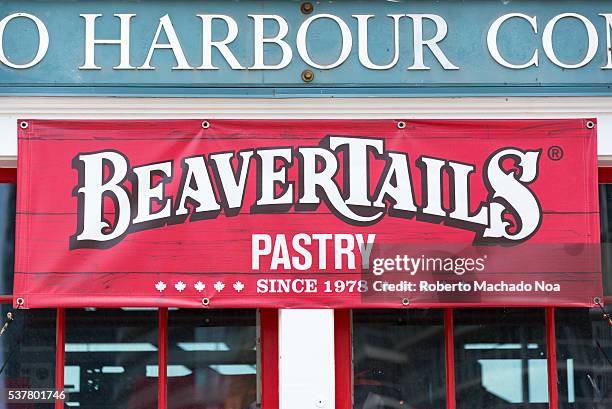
[{"x": 159, "y": 317}]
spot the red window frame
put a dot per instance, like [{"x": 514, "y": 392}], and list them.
[
  {"x": 268, "y": 321},
  {"x": 8, "y": 175},
  {"x": 604, "y": 174},
  {"x": 344, "y": 368}
]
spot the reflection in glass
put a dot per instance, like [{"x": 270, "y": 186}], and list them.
[
  {"x": 212, "y": 359},
  {"x": 111, "y": 358},
  {"x": 398, "y": 359},
  {"x": 7, "y": 237},
  {"x": 584, "y": 358},
  {"x": 500, "y": 358},
  {"x": 27, "y": 351}
]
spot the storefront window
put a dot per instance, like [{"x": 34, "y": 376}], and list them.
[
  {"x": 27, "y": 352},
  {"x": 212, "y": 359},
  {"x": 605, "y": 209},
  {"x": 584, "y": 358},
  {"x": 398, "y": 359},
  {"x": 111, "y": 358},
  {"x": 500, "y": 358},
  {"x": 7, "y": 237}
]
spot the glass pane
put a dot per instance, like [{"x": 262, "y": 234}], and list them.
[
  {"x": 212, "y": 359},
  {"x": 7, "y": 237},
  {"x": 398, "y": 359},
  {"x": 111, "y": 358},
  {"x": 27, "y": 352},
  {"x": 605, "y": 211},
  {"x": 500, "y": 358},
  {"x": 584, "y": 358}
]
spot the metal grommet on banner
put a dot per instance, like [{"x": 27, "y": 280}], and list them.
[
  {"x": 205, "y": 302},
  {"x": 405, "y": 301},
  {"x": 205, "y": 125},
  {"x": 9, "y": 319},
  {"x": 590, "y": 124},
  {"x": 597, "y": 301},
  {"x": 401, "y": 125},
  {"x": 23, "y": 125}
]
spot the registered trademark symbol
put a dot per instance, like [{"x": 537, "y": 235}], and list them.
[{"x": 555, "y": 153}]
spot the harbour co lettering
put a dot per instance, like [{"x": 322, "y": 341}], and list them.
[
  {"x": 138, "y": 197},
  {"x": 292, "y": 41}
]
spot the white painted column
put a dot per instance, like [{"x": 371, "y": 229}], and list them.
[
  {"x": 8, "y": 141},
  {"x": 306, "y": 361}
]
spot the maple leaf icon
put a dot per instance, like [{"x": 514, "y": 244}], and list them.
[
  {"x": 219, "y": 286},
  {"x": 160, "y": 286},
  {"x": 238, "y": 286},
  {"x": 180, "y": 286},
  {"x": 199, "y": 286}
]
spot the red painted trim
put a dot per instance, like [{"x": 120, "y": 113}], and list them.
[
  {"x": 268, "y": 321},
  {"x": 551, "y": 348},
  {"x": 6, "y": 299},
  {"x": 342, "y": 356},
  {"x": 605, "y": 174},
  {"x": 162, "y": 358},
  {"x": 449, "y": 347},
  {"x": 60, "y": 350},
  {"x": 8, "y": 175}
]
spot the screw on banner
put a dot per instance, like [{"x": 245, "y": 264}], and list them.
[{"x": 605, "y": 315}]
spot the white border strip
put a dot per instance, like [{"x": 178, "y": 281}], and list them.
[
  {"x": 13, "y": 108},
  {"x": 306, "y": 107}
]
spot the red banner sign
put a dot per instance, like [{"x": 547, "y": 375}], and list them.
[{"x": 346, "y": 214}]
